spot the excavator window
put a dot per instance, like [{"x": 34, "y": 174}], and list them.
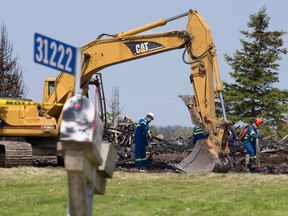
[{"x": 51, "y": 87}]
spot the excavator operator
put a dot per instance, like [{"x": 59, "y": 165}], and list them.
[{"x": 141, "y": 136}]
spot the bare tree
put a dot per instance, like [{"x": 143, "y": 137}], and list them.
[{"x": 11, "y": 78}]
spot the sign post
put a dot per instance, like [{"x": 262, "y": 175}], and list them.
[{"x": 78, "y": 90}]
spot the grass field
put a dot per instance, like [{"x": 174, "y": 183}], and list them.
[{"x": 43, "y": 191}]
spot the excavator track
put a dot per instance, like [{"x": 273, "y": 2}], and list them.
[{"x": 15, "y": 153}]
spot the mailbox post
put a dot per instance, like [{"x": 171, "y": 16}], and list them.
[{"x": 88, "y": 160}]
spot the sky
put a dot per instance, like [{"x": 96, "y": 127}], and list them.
[{"x": 151, "y": 84}]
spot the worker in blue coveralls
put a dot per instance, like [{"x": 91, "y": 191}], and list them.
[
  {"x": 142, "y": 139},
  {"x": 197, "y": 134},
  {"x": 250, "y": 141}
]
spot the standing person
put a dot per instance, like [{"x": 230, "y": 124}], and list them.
[
  {"x": 197, "y": 134},
  {"x": 141, "y": 136},
  {"x": 232, "y": 135},
  {"x": 250, "y": 141}
]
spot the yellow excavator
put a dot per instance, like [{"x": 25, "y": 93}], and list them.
[{"x": 38, "y": 124}]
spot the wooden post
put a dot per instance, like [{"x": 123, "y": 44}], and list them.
[
  {"x": 87, "y": 160},
  {"x": 258, "y": 165}
]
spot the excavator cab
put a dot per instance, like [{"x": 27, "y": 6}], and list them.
[{"x": 49, "y": 86}]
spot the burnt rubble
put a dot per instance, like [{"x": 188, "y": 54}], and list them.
[
  {"x": 274, "y": 156},
  {"x": 164, "y": 154}
]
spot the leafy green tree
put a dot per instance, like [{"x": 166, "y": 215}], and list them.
[
  {"x": 11, "y": 82},
  {"x": 154, "y": 130},
  {"x": 255, "y": 70},
  {"x": 114, "y": 115},
  {"x": 176, "y": 132}
]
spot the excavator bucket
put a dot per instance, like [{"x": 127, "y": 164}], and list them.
[
  {"x": 204, "y": 159},
  {"x": 206, "y": 156}
]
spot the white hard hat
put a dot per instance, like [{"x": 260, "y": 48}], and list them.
[{"x": 151, "y": 114}]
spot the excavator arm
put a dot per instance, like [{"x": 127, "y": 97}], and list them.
[
  {"x": 103, "y": 53},
  {"x": 209, "y": 154}
]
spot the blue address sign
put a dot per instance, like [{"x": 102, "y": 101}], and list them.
[{"x": 54, "y": 54}]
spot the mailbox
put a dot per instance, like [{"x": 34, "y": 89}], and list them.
[{"x": 82, "y": 125}]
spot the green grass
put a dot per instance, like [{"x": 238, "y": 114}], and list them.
[
  {"x": 33, "y": 191},
  {"x": 43, "y": 191}
]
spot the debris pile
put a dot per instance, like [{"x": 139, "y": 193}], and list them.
[
  {"x": 162, "y": 155},
  {"x": 274, "y": 156},
  {"x": 165, "y": 154}
]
